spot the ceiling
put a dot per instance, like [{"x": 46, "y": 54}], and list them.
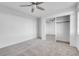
[{"x": 51, "y": 8}]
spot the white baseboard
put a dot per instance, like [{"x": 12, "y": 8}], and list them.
[{"x": 17, "y": 42}]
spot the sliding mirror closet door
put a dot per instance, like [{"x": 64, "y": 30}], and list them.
[{"x": 63, "y": 28}]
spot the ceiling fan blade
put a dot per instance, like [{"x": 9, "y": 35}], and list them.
[
  {"x": 40, "y": 8},
  {"x": 37, "y": 3},
  {"x": 25, "y": 5},
  {"x": 33, "y": 3},
  {"x": 32, "y": 10}
]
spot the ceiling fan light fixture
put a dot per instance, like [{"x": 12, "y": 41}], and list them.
[{"x": 34, "y": 5}]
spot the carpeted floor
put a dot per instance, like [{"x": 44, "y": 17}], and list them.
[{"x": 37, "y": 47}]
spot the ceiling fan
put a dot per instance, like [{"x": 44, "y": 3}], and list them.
[{"x": 34, "y": 5}]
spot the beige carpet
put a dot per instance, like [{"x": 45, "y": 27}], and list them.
[{"x": 37, "y": 47}]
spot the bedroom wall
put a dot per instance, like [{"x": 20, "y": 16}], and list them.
[{"x": 15, "y": 29}]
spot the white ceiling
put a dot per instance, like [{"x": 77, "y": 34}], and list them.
[{"x": 51, "y": 8}]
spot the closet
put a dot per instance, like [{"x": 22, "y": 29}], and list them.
[{"x": 62, "y": 28}]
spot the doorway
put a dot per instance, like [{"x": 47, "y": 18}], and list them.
[
  {"x": 50, "y": 28},
  {"x": 58, "y": 29}
]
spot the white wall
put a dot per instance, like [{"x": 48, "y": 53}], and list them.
[
  {"x": 73, "y": 29},
  {"x": 43, "y": 28},
  {"x": 15, "y": 29},
  {"x": 78, "y": 31},
  {"x": 50, "y": 28},
  {"x": 78, "y": 24},
  {"x": 39, "y": 27}
]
